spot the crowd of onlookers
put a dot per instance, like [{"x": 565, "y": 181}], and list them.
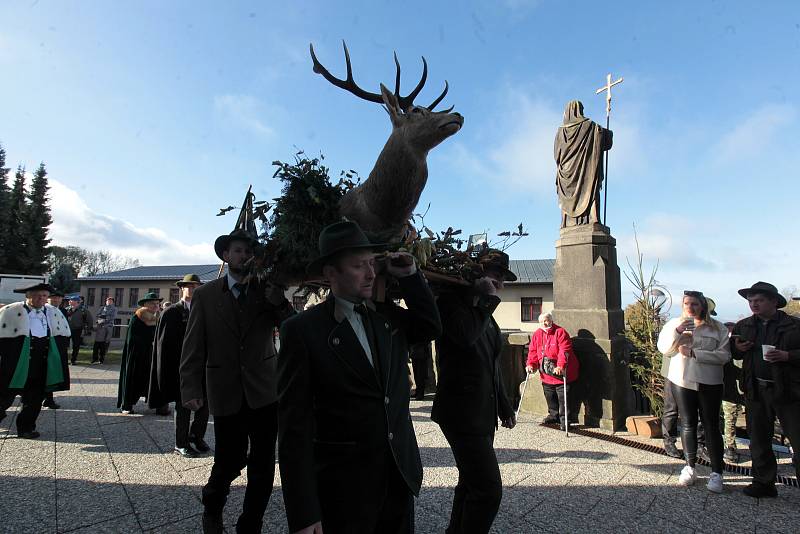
[{"x": 701, "y": 381}]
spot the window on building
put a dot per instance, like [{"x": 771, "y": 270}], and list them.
[
  {"x": 118, "y": 296},
  {"x": 531, "y": 308},
  {"x": 174, "y": 295},
  {"x": 156, "y": 290},
  {"x": 90, "y": 296},
  {"x": 133, "y": 297},
  {"x": 104, "y": 291}
]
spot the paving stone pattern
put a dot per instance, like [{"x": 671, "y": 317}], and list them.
[{"x": 95, "y": 470}]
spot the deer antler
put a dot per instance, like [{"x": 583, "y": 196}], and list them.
[
  {"x": 349, "y": 84},
  {"x": 405, "y": 102}
]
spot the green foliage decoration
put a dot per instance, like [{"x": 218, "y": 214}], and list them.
[{"x": 643, "y": 321}]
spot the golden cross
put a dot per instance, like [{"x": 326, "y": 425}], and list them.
[{"x": 607, "y": 88}]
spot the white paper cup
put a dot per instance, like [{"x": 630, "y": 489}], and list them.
[{"x": 765, "y": 349}]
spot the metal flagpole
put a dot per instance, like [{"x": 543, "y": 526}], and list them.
[{"x": 607, "y": 89}]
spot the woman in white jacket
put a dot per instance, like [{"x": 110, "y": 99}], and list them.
[{"x": 697, "y": 347}]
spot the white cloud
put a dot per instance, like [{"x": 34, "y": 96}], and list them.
[
  {"x": 243, "y": 111},
  {"x": 75, "y": 223},
  {"x": 669, "y": 239},
  {"x": 706, "y": 259},
  {"x": 524, "y": 156},
  {"x": 519, "y": 151},
  {"x": 754, "y": 133}
]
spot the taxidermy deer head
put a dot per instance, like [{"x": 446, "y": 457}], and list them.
[{"x": 384, "y": 203}]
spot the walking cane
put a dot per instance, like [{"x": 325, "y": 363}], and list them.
[
  {"x": 522, "y": 395},
  {"x": 566, "y": 405}
]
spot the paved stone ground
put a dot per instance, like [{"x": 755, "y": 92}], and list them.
[{"x": 95, "y": 470}]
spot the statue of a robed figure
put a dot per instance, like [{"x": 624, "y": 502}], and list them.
[{"x": 579, "y": 148}]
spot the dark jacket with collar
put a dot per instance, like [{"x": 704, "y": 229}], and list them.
[
  {"x": 470, "y": 396},
  {"x": 339, "y": 423},
  {"x": 228, "y": 352},
  {"x": 165, "y": 381},
  {"x": 785, "y": 374}
]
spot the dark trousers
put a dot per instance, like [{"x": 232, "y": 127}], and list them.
[
  {"x": 395, "y": 514},
  {"x": 99, "y": 350},
  {"x": 420, "y": 368},
  {"x": 706, "y": 402},
  {"x": 761, "y": 415},
  {"x": 77, "y": 339},
  {"x": 479, "y": 489},
  {"x": 33, "y": 393},
  {"x": 183, "y": 430},
  {"x": 554, "y": 395},
  {"x": 258, "y": 428},
  {"x": 669, "y": 419}
]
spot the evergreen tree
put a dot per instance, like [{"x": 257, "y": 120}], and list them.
[
  {"x": 5, "y": 200},
  {"x": 15, "y": 231},
  {"x": 36, "y": 221},
  {"x": 64, "y": 279}
]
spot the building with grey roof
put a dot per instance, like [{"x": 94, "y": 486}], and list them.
[{"x": 522, "y": 301}]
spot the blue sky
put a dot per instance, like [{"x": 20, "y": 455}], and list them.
[{"x": 152, "y": 115}]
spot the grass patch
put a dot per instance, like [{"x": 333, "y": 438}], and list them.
[{"x": 113, "y": 356}]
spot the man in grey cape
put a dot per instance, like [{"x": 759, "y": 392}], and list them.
[{"x": 579, "y": 148}]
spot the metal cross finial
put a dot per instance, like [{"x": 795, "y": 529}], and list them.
[{"x": 607, "y": 88}]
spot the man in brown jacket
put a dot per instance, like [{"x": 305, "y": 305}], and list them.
[
  {"x": 229, "y": 357},
  {"x": 768, "y": 343}
]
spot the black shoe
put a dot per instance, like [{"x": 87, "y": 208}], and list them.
[
  {"x": 758, "y": 490},
  {"x": 72, "y": 362},
  {"x": 186, "y": 451},
  {"x": 730, "y": 455},
  {"x": 127, "y": 410},
  {"x": 212, "y": 523},
  {"x": 550, "y": 420},
  {"x": 163, "y": 410},
  {"x": 672, "y": 450},
  {"x": 29, "y": 434},
  {"x": 702, "y": 453},
  {"x": 199, "y": 444},
  {"x": 248, "y": 527},
  {"x": 419, "y": 396},
  {"x": 51, "y": 404}
]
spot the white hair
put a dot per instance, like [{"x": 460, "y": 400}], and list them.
[{"x": 543, "y": 316}]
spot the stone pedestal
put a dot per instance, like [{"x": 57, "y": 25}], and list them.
[{"x": 587, "y": 303}]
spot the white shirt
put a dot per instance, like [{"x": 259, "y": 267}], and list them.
[
  {"x": 356, "y": 321},
  {"x": 38, "y": 322}
]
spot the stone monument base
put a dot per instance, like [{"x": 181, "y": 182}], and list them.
[{"x": 587, "y": 300}]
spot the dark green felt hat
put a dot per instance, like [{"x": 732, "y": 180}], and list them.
[
  {"x": 148, "y": 297},
  {"x": 336, "y": 238},
  {"x": 188, "y": 280}
]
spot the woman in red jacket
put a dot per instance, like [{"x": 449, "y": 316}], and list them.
[{"x": 550, "y": 351}]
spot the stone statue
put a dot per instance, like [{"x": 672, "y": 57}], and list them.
[{"x": 579, "y": 148}]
